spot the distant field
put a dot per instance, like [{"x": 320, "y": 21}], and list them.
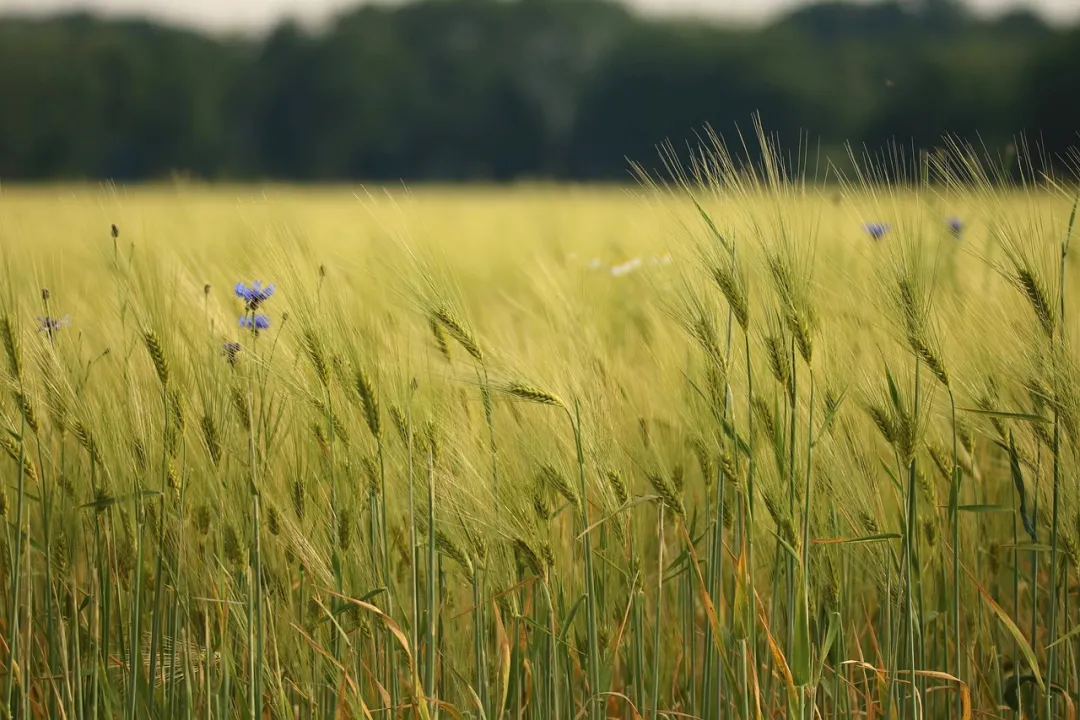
[{"x": 442, "y": 465}]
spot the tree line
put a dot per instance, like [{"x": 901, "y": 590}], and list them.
[{"x": 510, "y": 89}]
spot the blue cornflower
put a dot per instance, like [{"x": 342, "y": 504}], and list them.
[
  {"x": 956, "y": 227},
  {"x": 51, "y": 324},
  {"x": 255, "y": 322},
  {"x": 255, "y": 295},
  {"x": 876, "y": 230},
  {"x": 231, "y": 350}
]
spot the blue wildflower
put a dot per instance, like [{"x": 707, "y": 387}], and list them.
[
  {"x": 876, "y": 230},
  {"x": 255, "y": 295},
  {"x": 231, "y": 350},
  {"x": 255, "y": 322},
  {"x": 956, "y": 227},
  {"x": 51, "y": 324}
]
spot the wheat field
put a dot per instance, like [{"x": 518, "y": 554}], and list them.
[{"x": 745, "y": 446}]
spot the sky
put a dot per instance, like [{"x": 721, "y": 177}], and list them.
[{"x": 258, "y": 15}]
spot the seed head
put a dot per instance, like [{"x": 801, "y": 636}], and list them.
[
  {"x": 11, "y": 348},
  {"x": 398, "y": 418},
  {"x": 667, "y": 493},
  {"x": 733, "y": 287},
  {"x": 114, "y": 231},
  {"x": 430, "y": 439},
  {"x": 240, "y": 406},
  {"x": 370, "y": 402},
  {"x": 440, "y": 339},
  {"x": 778, "y": 365},
  {"x": 138, "y": 450},
  {"x": 531, "y": 393},
  {"x": 1033, "y": 290},
  {"x": 372, "y": 474},
  {"x": 448, "y": 547},
  {"x": 61, "y": 555},
  {"x": 716, "y": 382},
  {"x": 87, "y": 440},
  {"x": 764, "y": 415},
  {"x": 885, "y": 422},
  {"x": 528, "y": 557},
  {"x": 645, "y": 431},
  {"x": 157, "y": 356},
  {"x": 273, "y": 521},
  {"x": 557, "y": 482},
  {"x": 231, "y": 545},
  {"x": 540, "y": 504},
  {"x": 704, "y": 460},
  {"x": 869, "y": 522},
  {"x": 313, "y": 348},
  {"x": 801, "y": 323},
  {"x": 1069, "y": 547},
  {"x": 705, "y": 334},
  {"x": 16, "y": 451},
  {"x": 22, "y": 400},
  {"x": 203, "y": 519},
  {"x": 344, "y": 529},
  {"x": 212, "y": 439},
  {"x": 618, "y": 486},
  {"x": 445, "y": 317},
  {"x": 298, "y": 498},
  {"x": 57, "y": 407}
]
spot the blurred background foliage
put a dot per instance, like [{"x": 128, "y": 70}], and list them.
[{"x": 499, "y": 90}]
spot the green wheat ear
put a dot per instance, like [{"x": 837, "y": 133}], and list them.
[
  {"x": 10, "y": 338},
  {"x": 618, "y": 486},
  {"x": 531, "y": 393},
  {"x": 667, "y": 492},
  {"x": 370, "y": 402},
  {"x": 445, "y": 317},
  {"x": 558, "y": 482},
  {"x": 157, "y": 356}
]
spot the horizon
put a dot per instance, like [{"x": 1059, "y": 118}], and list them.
[{"x": 256, "y": 16}]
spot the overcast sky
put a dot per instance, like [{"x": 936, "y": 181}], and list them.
[{"x": 260, "y": 14}]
